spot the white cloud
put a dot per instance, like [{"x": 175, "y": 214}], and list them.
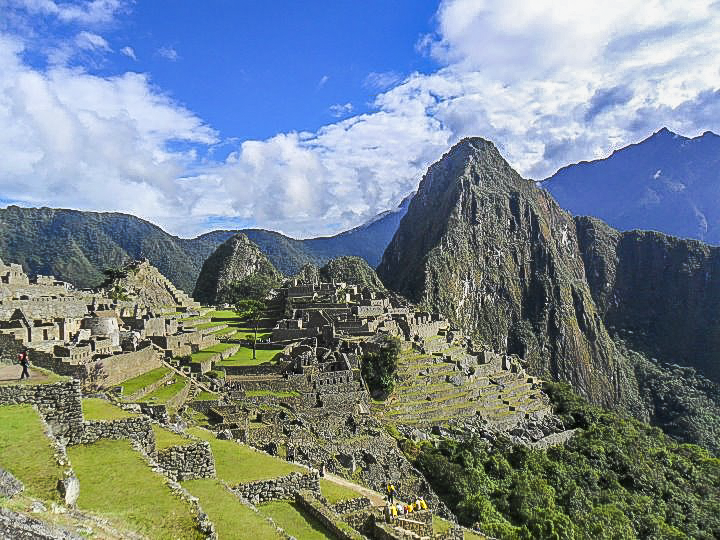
[
  {"x": 76, "y": 140},
  {"x": 381, "y": 80},
  {"x": 90, "y": 41},
  {"x": 323, "y": 80},
  {"x": 93, "y": 12},
  {"x": 129, "y": 52},
  {"x": 169, "y": 53},
  {"x": 341, "y": 109}
]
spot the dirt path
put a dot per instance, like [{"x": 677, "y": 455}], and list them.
[
  {"x": 12, "y": 373},
  {"x": 377, "y": 499}
]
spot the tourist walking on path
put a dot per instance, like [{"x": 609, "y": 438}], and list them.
[{"x": 24, "y": 362}]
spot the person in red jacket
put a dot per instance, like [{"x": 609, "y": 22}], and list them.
[{"x": 24, "y": 362}]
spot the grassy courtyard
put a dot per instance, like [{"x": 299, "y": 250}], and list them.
[
  {"x": 26, "y": 451},
  {"x": 238, "y": 464},
  {"x": 117, "y": 483},
  {"x": 290, "y": 517},
  {"x": 167, "y": 391},
  {"x": 232, "y": 519},
  {"x": 101, "y": 409}
]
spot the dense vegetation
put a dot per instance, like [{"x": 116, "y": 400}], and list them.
[
  {"x": 351, "y": 270},
  {"x": 379, "y": 367},
  {"x": 616, "y": 478}
]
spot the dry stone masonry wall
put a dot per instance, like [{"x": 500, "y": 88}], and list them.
[{"x": 282, "y": 488}]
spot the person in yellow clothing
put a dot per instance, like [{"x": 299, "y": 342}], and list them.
[
  {"x": 423, "y": 504},
  {"x": 391, "y": 493}
]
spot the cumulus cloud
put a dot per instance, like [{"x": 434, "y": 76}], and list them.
[
  {"x": 129, "y": 52},
  {"x": 76, "y": 140},
  {"x": 550, "y": 82}
]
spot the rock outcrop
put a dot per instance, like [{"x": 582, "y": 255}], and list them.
[
  {"x": 351, "y": 270},
  {"x": 501, "y": 260},
  {"x": 233, "y": 260}
]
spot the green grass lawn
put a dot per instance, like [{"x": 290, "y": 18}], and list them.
[
  {"x": 46, "y": 377},
  {"x": 244, "y": 357},
  {"x": 335, "y": 492},
  {"x": 225, "y": 331},
  {"x": 296, "y": 523},
  {"x": 264, "y": 393},
  {"x": 205, "y": 396},
  {"x": 137, "y": 383},
  {"x": 210, "y": 351},
  {"x": 238, "y": 464},
  {"x": 26, "y": 452},
  {"x": 164, "y": 438},
  {"x": 206, "y": 325},
  {"x": 101, "y": 409},
  {"x": 232, "y": 519},
  {"x": 165, "y": 392},
  {"x": 116, "y": 482}
]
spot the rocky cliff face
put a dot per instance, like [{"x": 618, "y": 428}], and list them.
[
  {"x": 232, "y": 261},
  {"x": 502, "y": 260},
  {"x": 660, "y": 292},
  {"x": 351, "y": 270}
]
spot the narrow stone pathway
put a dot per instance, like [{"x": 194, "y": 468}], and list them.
[
  {"x": 377, "y": 499},
  {"x": 11, "y": 373}
]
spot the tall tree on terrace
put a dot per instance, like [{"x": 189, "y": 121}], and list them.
[{"x": 250, "y": 310}]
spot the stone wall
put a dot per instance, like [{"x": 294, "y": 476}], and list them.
[
  {"x": 339, "y": 529},
  {"x": 10, "y": 347},
  {"x": 121, "y": 367},
  {"x": 284, "y": 487},
  {"x": 351, "y": 505},
  {"x": 188, "y": 461},
  {"x": 137, "y": 429},
  {"x": 59, "y": 403}
]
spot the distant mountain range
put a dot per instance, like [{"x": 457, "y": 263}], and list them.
[
  {"x": 77, "y": 246},
  {"x": 666, "y": 183}
]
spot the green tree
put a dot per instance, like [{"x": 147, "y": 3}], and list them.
[
  {"x": 250, "y": 310},
  {"x": 379, "y": 368},
  {"x": 253, "y": 287}
]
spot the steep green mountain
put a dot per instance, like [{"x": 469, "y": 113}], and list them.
[
  {"x": 661, "y": 292},
  {"x": 77, "y": 246},
  {"x": 500, "y": 259},
  {"x": 233, "y": 260},
  {"x": 351, "y": 270}
]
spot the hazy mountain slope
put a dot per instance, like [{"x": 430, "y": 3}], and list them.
[
  {"x": 666, "y": 183},
  {"x": 77, "y": 246},
  {"x": 500, "y": 258}
]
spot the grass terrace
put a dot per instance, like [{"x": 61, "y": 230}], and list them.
[
  {"x": 101, "y": 409},
  {"x": 244, "y": 357},
  {"x": 204, "y": 395},
  {"x": 336, "y": 492},
  {"x": 117, "y": 483},
  {"x": 209, "y": 352},
  {"x": 206, "y": 325},
  {"x": 296, "y": 523},
  {"x": 164, "y": 438},
  {"x": 37, "y": 376},
  {"x": 146, "y": 379},
  {"x": 165, "y": 392},
  {"x": 27, "y": 452},
  {"x": 232, "y": 519},
  {"x": 238, "y": 464}
]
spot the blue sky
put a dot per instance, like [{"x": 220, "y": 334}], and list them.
[{"x": 311, "y": 117}]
